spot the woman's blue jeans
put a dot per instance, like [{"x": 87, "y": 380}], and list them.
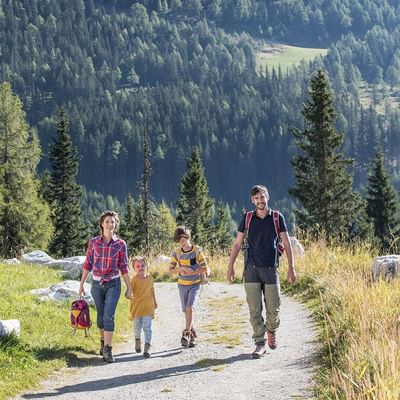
[{"x": 106, "y": 298}]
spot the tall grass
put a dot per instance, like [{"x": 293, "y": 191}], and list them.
[
  {"x": 45, "y": 344},
  {"x": 359, "y": 322},
  {"x": 217, "y": 262}
]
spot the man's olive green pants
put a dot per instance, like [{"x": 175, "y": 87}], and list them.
[{"x": 262, "y": 286}]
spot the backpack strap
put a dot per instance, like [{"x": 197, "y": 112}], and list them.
[
  {"x": 275, "y": 215},
  {"x": 249, "y": 216}
]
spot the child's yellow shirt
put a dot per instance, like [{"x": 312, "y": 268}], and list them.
[{"x": 142, "y": 302}]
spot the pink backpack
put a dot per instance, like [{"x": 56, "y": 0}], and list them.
[{"x": 80, "y": 316}]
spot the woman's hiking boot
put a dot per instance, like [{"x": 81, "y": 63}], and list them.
[
  {"x": 193, "y": 337},
  {"x": 146, "y": 352},
  {"x": 272, "y": 341},
  {"x": 107, "y": 354},
  {"x": 138, "y": 346},
  {"x": 185, "y": 339},
  {"x": 259, "y": 351},
  {"x": 101, "y": 347}
]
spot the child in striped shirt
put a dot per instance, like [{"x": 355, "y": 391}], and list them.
[{"x": 189, "y": 263}]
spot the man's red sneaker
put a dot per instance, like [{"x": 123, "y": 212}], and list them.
[{"x": 272, "y": 342}]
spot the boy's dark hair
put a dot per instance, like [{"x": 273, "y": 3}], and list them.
[
  {"x": 106, "y": 214},
  {"x": 182, "y": 231},
  {"x": 259, "y": 188}
]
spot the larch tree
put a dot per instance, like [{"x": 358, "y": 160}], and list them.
[
  {"x": 194, "y": 206},
  {"x": 24, "y": 216},
  {"x": 323, "y": 185},
  {"x": 383, "y": 205},
  {"x": 65, "y": 194}
]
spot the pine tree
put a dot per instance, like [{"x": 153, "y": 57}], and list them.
[
  {"x": 383, "y": 205},
  {"x": 223, "y": 229},
  {"x": 24, "y": 216},
  {"x": 324, "y": 187},
  {"x": 126, "y": 229},
  {"x": 163, "y": 228},
  {"x": 194, "y": 206},
  {"x": 65, "y": 195}
]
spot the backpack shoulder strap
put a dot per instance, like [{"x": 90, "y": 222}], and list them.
[
  {"x": 275, "y": 215},
  {"x": 249, "y": 216}
]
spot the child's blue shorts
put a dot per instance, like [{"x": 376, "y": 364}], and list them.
[{"x": 189, "y": 295}]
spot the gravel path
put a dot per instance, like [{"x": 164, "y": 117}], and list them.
[{"x": 208, "y": 371}]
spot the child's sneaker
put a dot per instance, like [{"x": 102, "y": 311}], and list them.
[
  {"x": 146, "y": 352},
  {"x": 185, "y": 339},
  {"x": 138, "y": 346},
  {"x": 193, "y": 337}
]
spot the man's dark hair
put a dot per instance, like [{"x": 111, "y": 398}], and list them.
[{"x": 259, "y": 188}]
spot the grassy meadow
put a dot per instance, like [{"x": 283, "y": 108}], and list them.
[
  {"x": 358, "y": 322},
  {"x": 285, "y": 56},
  {"x": 45, "y": 344}
]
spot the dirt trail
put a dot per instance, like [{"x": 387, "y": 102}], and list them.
[{"x": 208, "y": 371}]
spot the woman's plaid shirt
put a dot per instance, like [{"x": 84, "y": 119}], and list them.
[{"x": 106, "y": 260}]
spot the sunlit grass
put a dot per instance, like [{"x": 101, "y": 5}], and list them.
[
  {"x": 45, "y": 344},
  {"x": 218, "y": 264},
  {"x": 359, "y": 322},
  {"x": 285, "y": 56},
  {"x": 213, "y": 363},
  {"x": 226, "y": 323}
]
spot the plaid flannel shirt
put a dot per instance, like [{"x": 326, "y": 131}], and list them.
[{"x": 106, "y": 260}]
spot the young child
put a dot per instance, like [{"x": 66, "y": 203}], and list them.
[
  {"x": 143, "y": 304},
  {"x": 189, "y": 262}
]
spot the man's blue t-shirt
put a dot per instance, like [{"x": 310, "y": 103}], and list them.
[{"x": 262, "y": 240}]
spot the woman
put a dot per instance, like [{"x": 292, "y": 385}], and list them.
[{"x": 106, "y": 258}]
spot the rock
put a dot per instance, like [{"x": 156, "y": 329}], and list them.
[
  {"x": 297, "y": 247},
  {"x": 386, "y": 267},
  {"x": 9, "y": 326},
  {"x": 71, "y": 266},
  {"x": 37, "y": 257},
  {"x": 161, "y": 260},
  {"x": 66, "y": 290},
  {"x": 11, "y": 261}
]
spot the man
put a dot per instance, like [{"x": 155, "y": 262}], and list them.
[{"x": 261, "y": 268}]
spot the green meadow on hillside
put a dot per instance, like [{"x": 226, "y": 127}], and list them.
[{"x": 285, "y": 56}]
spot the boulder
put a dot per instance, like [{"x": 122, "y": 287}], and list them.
[
  {"x": 386, "y": 267},
  {"x": 161, "y": 259},
  {"x": 9, "y": 327},
  {"x": 11, "y": 261},
  {"x": 37, "y": 257},
  {"x": 66, "y": 290},
  {"x": 71, "y": 266},
  {"x": 297, "y": 247}
]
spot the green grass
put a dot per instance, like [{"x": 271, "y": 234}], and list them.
[
  {"x": 225, "y": 321},
  {"x": 286, "y": 56},
  {"x": 44, "y": 345},
  {"x": 358, "y": 322}
]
